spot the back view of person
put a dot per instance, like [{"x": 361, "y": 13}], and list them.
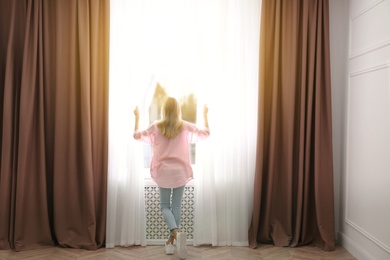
[{"x": 171, "y": 167}]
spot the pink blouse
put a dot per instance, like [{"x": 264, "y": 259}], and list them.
[{"x": 171, "y": 166}]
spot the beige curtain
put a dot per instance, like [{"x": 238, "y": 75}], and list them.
[
  {"x": 293, "y": 196},
  {"x": 54, "y": 102}
]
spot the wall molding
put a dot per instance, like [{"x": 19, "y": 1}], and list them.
[
  {"x": 369, "y": 49},
  {"x": 353, "y": 248},
  {"x": 365, "y": 10},
  {"x": 347, "y": 214},
  {"x": 369, "y": 69},
  {"x": 367, "y": 234},
  {"x": 354, "y": 237}
]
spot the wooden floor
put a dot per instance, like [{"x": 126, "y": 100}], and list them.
[{"x": 264, "y": 252}]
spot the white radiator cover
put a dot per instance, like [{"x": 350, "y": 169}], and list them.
[{"x": 156, "y": 229}]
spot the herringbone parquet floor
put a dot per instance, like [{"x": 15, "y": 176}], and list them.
[{"x": 263, "y": 252}]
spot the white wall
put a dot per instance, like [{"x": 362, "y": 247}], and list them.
[{"x": 360, "y": 60}]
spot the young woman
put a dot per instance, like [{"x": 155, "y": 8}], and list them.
[{"x": 170, "y": 167}]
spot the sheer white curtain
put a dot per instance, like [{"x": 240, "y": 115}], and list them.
[
  {"x": 205, "y": 46},
  {"x": 224, "y": 182},
  {"x": 129, "y": 87}
]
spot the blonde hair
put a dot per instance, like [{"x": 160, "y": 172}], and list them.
[{"x": 171, "y": 123}]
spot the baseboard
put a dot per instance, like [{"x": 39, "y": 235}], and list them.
[{"x": 353, "y": 248}]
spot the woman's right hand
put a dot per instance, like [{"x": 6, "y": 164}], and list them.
[{"x": 205, "y": 110}]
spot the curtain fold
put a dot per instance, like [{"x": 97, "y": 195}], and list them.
[
  {"x": 226, "y": 161},
  {"x": 293, "y": 196},
  {"x": 54, "y": 86},
  {"x": 129, "y": 86}
]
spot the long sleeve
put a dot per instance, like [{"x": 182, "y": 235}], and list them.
[
  {"x": 146, "y": 135},
  {"x": 195, "y": 133}
]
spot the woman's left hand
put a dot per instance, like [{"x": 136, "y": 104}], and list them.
[{"x": 136, "y": 111}]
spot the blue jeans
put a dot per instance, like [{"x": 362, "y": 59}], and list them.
[{"x": 171, "y": 213}]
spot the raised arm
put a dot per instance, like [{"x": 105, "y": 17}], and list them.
[
  {"x": 136, "y": 114},
  {"x": 205, "y": 119}
]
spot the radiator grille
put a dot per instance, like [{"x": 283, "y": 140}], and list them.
[{"x": 156, "y": 228}]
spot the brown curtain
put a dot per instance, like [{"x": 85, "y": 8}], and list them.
[
  {"x": 293, "y": 193},
  {"x": 54, "y": 115}
]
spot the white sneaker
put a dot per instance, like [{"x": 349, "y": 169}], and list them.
[
  {"x": 169, "y": 249},
  {"x": 181, "y": 244}
]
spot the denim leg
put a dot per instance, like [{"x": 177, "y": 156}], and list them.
[
  {"x": 165, "y": 206},
  {"x": 172, "y": 217},
  {"x": 177, "y": 196}
]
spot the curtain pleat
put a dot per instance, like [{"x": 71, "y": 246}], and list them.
[
  {"x": 12, "y": 38},
  {"x": 54, "y": 86},
  {"x": 293, "y": 196}
]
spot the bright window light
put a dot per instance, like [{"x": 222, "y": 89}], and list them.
[
  {"x": 159, "y": 47},
  {"x": 200, "y": 47}
]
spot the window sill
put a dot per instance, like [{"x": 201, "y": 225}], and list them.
[{"x": 148, "y": 182}]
